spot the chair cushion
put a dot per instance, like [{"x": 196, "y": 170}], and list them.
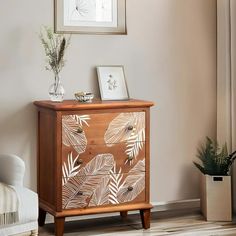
[
  {"x": 28, "y": 208},
  {"x": 28, "y": 212}
]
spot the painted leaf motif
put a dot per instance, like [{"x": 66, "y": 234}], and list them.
[
  {"x": 71, "y": 197},
  {"x": 136, "y": 180},
  {"x": 100, "y": 165},
  {"x": 139, "y": 167},
  {"x": 70, "y": 136},
  {"x": 69, "y": 168},
  {"x": 134, "y": 145},
  {"x": 101, "y": 193},
  {"x": 118, "y": 131},
  {"x": 80, "y": 201},
  {"x": 84, "y": 192},
  {"x": 86, "y": 182},
  {"x": 82, "y": 120},
  {"x": 115, "y": 185}
]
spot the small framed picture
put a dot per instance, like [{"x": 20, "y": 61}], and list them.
[{"x": 112, "y": 83}]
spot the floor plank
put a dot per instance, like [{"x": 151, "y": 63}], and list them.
[{"x": 163, "y": 223}]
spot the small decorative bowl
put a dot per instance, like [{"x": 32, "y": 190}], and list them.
[{"x": 84, "y": 97}]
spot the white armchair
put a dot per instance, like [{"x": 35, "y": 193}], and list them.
[{"x": 12, "y": 170}]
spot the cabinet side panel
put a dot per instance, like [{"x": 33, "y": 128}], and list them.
[
  {"x": 46, "y": 160},
  {"x": 147, "y": 155}
]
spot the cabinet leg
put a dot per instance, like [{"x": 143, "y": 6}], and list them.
[
  {"x": 145, "y": 217},
  {"x": 59, "y": 226},
  {"x": 42, "y": 217},
  {"x": 124, "y": 214}
]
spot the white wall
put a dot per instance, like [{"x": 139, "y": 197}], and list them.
[{"x": 169, "y": 56}]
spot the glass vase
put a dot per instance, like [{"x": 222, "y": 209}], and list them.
[{"x": 56, "y": 90}]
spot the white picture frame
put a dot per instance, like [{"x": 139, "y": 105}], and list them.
[
  {"x": 112, "y": 83},
  {"x": 90, "y": 16}
]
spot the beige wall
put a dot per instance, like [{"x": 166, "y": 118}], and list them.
[
  {"x": 226, "y": 78},
  {"x": 169, "y": 56}
]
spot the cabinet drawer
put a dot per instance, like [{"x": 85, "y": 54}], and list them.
[
  {"x": 103, "y": 128},
  {"x": 120, "y": 155},
  {"x": 101, "y": 190}
]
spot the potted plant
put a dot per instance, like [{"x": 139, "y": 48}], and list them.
[
  {"x": 54, "y": 46},
  {"x": 215, "y": 181}
]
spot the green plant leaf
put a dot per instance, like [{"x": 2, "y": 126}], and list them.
[
  {"x": 214, "y": 160},
  {"x": 199, "y": 167}
]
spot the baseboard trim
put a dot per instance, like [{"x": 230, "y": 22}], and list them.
[
  {"x": 157, "y": 206},
  {"x": 176, "y": 205}
]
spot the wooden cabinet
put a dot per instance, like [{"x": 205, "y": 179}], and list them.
[{"x": 93, "y": 158}]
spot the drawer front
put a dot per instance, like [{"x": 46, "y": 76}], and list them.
[
  {"x": 106, "y": 187},
  {"x": 123, "y": 157},
  {"x": 105, "y": 128}
]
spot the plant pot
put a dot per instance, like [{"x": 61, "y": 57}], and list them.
[{"x": 216, "y": 204}]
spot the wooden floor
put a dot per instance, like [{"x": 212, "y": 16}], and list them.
[{"x": 171, "y": 223}]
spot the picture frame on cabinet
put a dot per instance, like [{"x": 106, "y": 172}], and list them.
[
  {"x": 90, "y": 16},
  {"x": 112, "y": 83}
]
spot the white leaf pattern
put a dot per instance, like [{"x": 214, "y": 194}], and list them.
[
  {"x": 70, "y": 192},
  {"x": 100, "y": 165},
  {"x": 84, "y": 192},
  {"x": 136, "y": 180},
  {"x": 101, "y": 193},
  {"x": 82, "y": 119},
  {"x": 139, "y": 167},
  {"x": 118, "y": 132},
  {"x": 134, "y": 145},
  {"x": 69, "y": 169},
  {"x": 115, "y": 185},
  {"x": 70, "y": 136},
  {"x": 88, "y": 179},
  {"x": 118, "y": 128}
]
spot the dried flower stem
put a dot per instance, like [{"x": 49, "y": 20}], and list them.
[{"x": 54, "y": 47}]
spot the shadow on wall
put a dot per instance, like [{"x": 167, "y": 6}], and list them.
[
  {"x": 94, "y": 82},
  {"x": 18, "y": 131}
]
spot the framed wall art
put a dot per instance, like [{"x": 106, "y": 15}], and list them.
[
  {"x": 112, "y": 83},
  {"x": 90, "y": 16}
]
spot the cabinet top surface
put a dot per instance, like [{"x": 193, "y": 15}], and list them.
[{"x": 95, "y": 104}]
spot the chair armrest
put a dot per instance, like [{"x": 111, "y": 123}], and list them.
[{"x": 12, "y": 170}]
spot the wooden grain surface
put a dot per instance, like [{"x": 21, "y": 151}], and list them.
[
  {"x": 96, "y": 210},
  {"x": 127, "y": 196},
  {"x": 72, "y": 105},
  {"x": 122, "y": 163},
  {"x": 147, "y": 155},
  {"x": 46, "y": 159},
  {"x": 54, "y": 148},
  {"x": 97, "y": 124}
]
